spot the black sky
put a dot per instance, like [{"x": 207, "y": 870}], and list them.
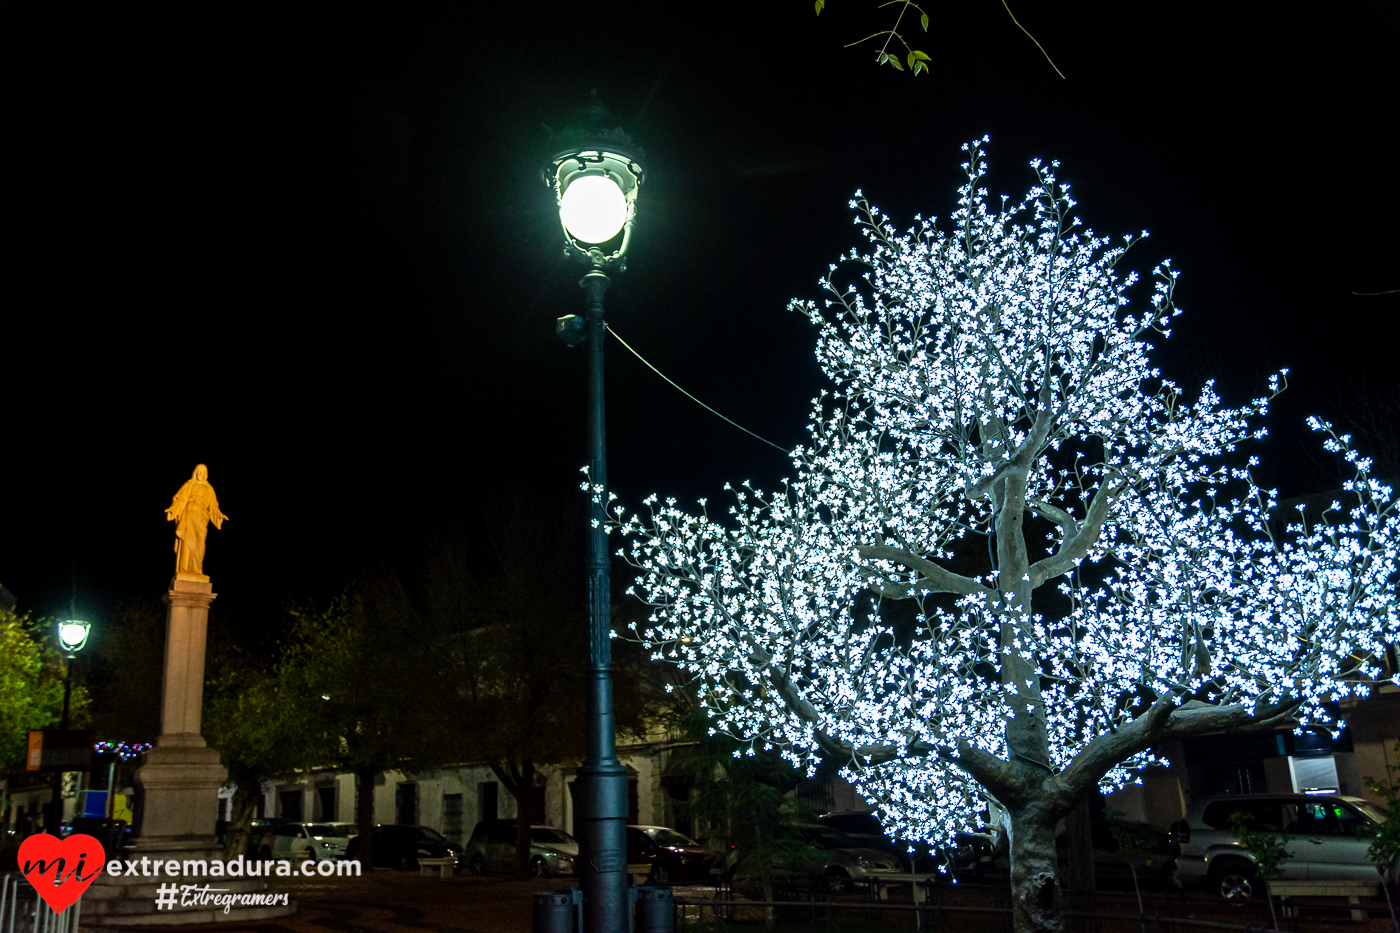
[{"x": 308, "y": 245}]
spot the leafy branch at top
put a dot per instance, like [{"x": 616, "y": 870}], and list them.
[{"x": 917, "y": 60}]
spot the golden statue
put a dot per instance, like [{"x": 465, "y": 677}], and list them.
[{"x": 194, "y": 507}]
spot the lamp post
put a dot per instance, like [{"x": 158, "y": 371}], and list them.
[
  {"x": 595, "y": 172},
  {"x": 72, "y": 636}
]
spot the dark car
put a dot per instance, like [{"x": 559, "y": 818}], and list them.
[
  {"x": 258, "y": 831},
  {"x": 114, "y": 835},
  {"x": 400, "y": 846},
  {"x": 673, "y": 857},
  {"x": 968, "y": 856}
]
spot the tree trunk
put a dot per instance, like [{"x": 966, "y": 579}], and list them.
[
  {"x": 364, "y": 815},
  {"x": 522, "y": 788},
  {"x": 245, "y": 807},
  {"x": 1036, "y": 903}
]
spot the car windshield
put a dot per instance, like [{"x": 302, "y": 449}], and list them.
[
  {"x": 669, "y": 837},
  {"x": 321, "y": 830},
  {"x": 432, "y": 835},
  {"x": 550, "y": 837}
]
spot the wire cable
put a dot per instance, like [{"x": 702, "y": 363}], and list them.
[{"x": 688, "y": 395}]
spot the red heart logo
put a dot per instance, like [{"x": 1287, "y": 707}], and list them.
[{"x": 73, "y": 863}]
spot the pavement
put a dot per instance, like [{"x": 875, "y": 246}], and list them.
[{"x": 384, "y": 901}]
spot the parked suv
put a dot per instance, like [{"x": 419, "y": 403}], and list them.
[{"x": 1325, "y": 845}]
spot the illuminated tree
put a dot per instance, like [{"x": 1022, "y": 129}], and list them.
[{"x": 995, "y": 379}]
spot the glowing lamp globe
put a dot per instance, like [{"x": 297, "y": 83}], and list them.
[
  {"x": 593, "y": 208},
  {"x": 596, "y": 171},
  {"x": 72, "y": 634}
]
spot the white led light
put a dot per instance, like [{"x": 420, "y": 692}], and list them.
[{"x": 593, "y": 208}]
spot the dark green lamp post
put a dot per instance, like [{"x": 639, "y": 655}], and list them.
[{"x": 595, "y": 171}]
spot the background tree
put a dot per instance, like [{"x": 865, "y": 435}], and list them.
[
  {"x": 260, "y": 735},
  {"x": 362, "y": 671},
  {"x": 1269, "y": 851},
  {"x": 1137, "y": 846},
  {"x": 31, "y": 686},
  {"x": 1384, "y": 850},
  {"x": 753, "y": 826},
  {"x": 987, "y": 374},
  {"x": 512, "y": 626},
  {"x": 127, "y": 668}
]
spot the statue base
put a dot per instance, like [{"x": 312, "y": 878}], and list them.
[{"x": 180, "y": 794}]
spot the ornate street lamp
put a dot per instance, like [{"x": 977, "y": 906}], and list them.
[
  {"x": 72, "y": 635},
  {"x": 595, "y": 171}
]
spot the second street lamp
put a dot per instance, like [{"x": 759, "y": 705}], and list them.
[
  {"x": 595, "y": 172},
  {"x": 72, "y": 635}
]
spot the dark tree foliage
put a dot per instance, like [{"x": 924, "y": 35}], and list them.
[
  {"x": 363, "y": 673},
  {"x": 125, "y": 667},
  {"x": 753, "y": 823},
  {"x": 511, "y": 623}
]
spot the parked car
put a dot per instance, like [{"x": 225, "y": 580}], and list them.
[
  {"x": 492, "y": 848},
  {"x": 258, "y": 833},
  {"x": 847, "y": 859},
  {"x": 673, "y": 857},
  {"x": 1153, "y": 858},
  {"x": 115, "y": 835},
  {"x": 968, "y": 856},
  {"x": 316, "y": 841},
  {"x": 401, "y": 846},
  {"x": 1324, "y": 847}
]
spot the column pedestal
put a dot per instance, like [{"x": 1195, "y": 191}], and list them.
[
  {"x": 181, "y": 777},
  {"x": 180, "y": 794}
]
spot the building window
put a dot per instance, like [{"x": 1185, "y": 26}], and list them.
[
  {"x": 406, "y": 804},
  {"x": 488, "y": 798},
  {"x": 452, "y": 817},
  {"x": 327, "y": 806},
  {"x": 289, "y": 802}
]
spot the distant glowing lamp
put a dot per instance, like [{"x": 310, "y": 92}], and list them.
[
  {"x": 595, "y": 172},
  {"x": 73, "y": 634}
]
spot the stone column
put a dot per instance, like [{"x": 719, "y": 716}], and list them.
[{"x": 181, "y": 777}]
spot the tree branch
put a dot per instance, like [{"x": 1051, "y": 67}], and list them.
[
  {"x": 1163, "y": 720},
  {"x": 1076, "y": 545},
  {"x": 938, "y": 579}
]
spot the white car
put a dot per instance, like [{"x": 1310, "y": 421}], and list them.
[{"x": 315, "y": 841}]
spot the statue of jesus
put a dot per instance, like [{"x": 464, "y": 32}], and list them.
[{"x": 194, "y": 507}]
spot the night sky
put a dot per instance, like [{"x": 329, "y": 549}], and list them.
[{"x": 310, "y": 247}]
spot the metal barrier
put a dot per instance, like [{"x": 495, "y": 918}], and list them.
[{"x": 23, "y": 911}]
